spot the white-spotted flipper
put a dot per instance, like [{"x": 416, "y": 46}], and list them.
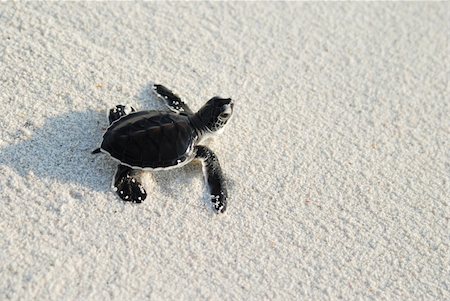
[
  {"x": 172, "y": 100},
  {"x": 213, "y": 177},
  {"x": 127, "y": 187},
  {"x": 119, "y": 111}
]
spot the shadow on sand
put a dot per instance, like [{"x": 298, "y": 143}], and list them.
[{"x": 60, "y": 150}]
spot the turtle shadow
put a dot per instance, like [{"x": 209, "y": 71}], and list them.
[{"x": 60, "y": 150}]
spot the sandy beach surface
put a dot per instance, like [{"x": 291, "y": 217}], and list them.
[{"x": 337, "y": 159}]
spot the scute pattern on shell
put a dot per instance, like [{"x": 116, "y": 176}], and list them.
[{"x": 150, "y": 139}]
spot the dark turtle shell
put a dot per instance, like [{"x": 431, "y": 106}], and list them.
[{"x": 150, "y": 139}]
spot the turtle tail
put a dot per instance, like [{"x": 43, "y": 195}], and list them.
[{"x": 96, "y": 151}]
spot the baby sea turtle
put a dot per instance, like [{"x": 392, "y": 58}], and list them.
[{"x": 154, "y": 140}]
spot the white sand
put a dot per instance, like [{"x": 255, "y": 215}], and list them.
[{"x": 337, "y": 158}]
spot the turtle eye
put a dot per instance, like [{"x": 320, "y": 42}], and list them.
[{"x": 225, "y": 115}]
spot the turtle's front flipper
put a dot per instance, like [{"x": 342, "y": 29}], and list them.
[
  {"x": 172, "y": 100},
  {"x": 119, "y": 111},
  {"x": 213, "y": 177},
  {"x": 126, "y": 185}
]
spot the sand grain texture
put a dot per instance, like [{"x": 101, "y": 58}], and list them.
[{"x": 337, "y": 157}]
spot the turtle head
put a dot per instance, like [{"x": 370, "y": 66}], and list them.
[{"x": 216, "y": 113}]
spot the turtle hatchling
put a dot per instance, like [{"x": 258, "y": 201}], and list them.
[{"x": 161, "y": 140}]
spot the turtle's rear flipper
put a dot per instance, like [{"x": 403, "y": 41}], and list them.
[
  {"x": 213, "y": 177},
  {"x": 127, "y": 187},
  {"x": 172, "y": 100},
  {"x": 119, "y": 111}
]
